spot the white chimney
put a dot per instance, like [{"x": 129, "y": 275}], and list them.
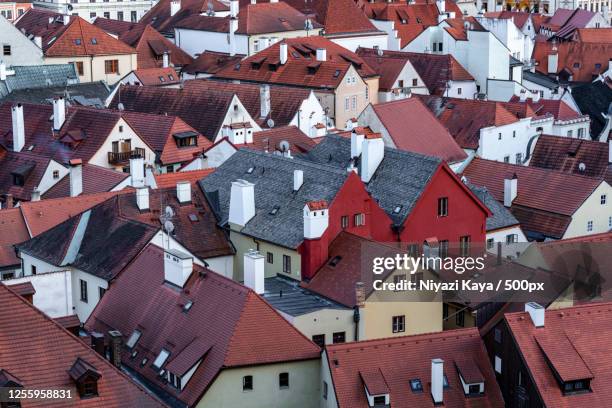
[
  {"x": 137, "y": 171},
  {"x": 316, "y": 219},
  {"x": 18, "y": 127},
  {"x": 536, "y": 312},
  {"x": 35, "y": 195},
  {"x": 175, "y": 6},
  {"x": 254, "y": 271},
  {"x": 59, "y": 113},
  {"x": 233, "y": 4},
  {"x": 283, "y": 53},
  {"x": 233, "y": 27},
  {"x": 437, "y": 381},
  {"x": 605, "y": 13},
  {"x": 356, "y": 144},
  {"x": 242, "y": 202},
  {"x": 510, "y": 190},
  {"x": 553, "y": 62},
  {"x": 441, "y": 6},
  {"x": 264, "y": 100},
  {"x": 166, "y": 60},
  {"x": 66, "y": 19},
  {"x": 523, "y": 95},
  {"x": 298, "y": 179},
  {"x": 373, "y": 152},
  {"x": 609, "y": 151},
  {"x": 38, "y": 41},
  {"x": 5, "y": 72},
  {"x": 76, "y": 177},
  {"x": 177, "y": 267},
  {"x": 142, "y": 198},
  {"x": 321, "y": 54},
  {"x": 183, "y": 192}
]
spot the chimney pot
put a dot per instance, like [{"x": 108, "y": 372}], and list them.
[
  {"x": 175, "y": 6},
  {"x": 536, "y": 312},
  {"x": 35, "y": 195},
  {"x": 254, "y": 271},
  {"x": 97, "y": 343}
]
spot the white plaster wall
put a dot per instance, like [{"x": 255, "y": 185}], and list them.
[
  {"x": 196, "y": 41},
  {"x": 47, "y": 181},
  {"x": 368, "y": 41},
  {"x": 564, "y": 128},
  {"x": 53, "y": 292},
  {"x": 310, "y": 113},
  {"x": 327, "y": 322},
  {"x": 236, "y": 113},
  {"x": 514, "y": 139},
  {"x": 393, "y": 41},
  {"x": 23, "y": 51},
  {"x": 592, "y": 210},
  {"x": 462, "y": 89},
  {"x": 83, "y": 309},
  {"x": 331, "y": 400}
]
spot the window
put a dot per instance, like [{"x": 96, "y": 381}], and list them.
[
  {"x": 458, "y": 91},
  {"x": 319, "y": 340},
  {"x": 353, "y": 103},
  {"x": 344, "y": 221},
  {"x": 415, "y": 82},
  {"x": 443, "y": 248},
  {"x": 580, "y": 133},
  {"x": 6, "y": 50},
  {"x": 445, "y": 311},
  {"x": 359, "y": 219},
  {"x": 474, "y": 389},
  {"x": 464, "y": 245},
  {"x": 460, "y": 318},
  {"x": 399, "y": 324},
  {"x": 519, "y": 158},
  {"x": 283, "y": 380},
  {"x": 367, "y": 93},
  {"x": 506, "y": 159},
  {"x": 498, "y": 335},
  {"x": 101, "y": 292},
  {"x": 55, "y": 174},
  {"x": 499, "y": 136},
  {"x": 514, "y": 134},
  {"x": 92, "y": 15},
  {"x": 589, "y": 226},
  {"x": 415, "y": 278},
  {"x": 440, "y": 47},
  {"x": 324, "y": 390},
  {"x": 247, "y": 383},
  {"x": 87, "y": 388},
  {"x": 270, "y": 257},
  {"x": 416, "y": 385},
  {"x": 380, "y": 400},
  {"x": 286, "y": 264},
  {"x": 111, "y": 66},
  {"x": 498, "y": 365},
  {"x": 603, "y": 199},
  {"x": 106, "y": 13},
  {"x": 133, "y": 16},
  {"x": 511, "y": 239},
  {"x": 442, "y": 206},
  {"x": 83, "y": 291},
  {"x": 134, "y": 337},
  {"x": 161, "y": 358},
  {"x": 79, "y": 67},
  {"x": 339, "y": 337},
  {"x": 346, "y": 103},
  {"x": 570, "y": 133},
  {"x": 33, "y": 269},
  {"x": 120, "y": 15},
  {"x": 490, "y": 243},
  {"x": 610, "y": 222},
  {"x": 18, "y": 180}
]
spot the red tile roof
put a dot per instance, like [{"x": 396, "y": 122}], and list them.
[
  {"x": 34, "y": 340},
  {"x": 574, "y": 340},
  {"x": 269, "y": 140},
  {"x": 594, "y": 35},
  {"x": 459, "y": 29},
  {"x": 464, "y": 118},
  {"x": 116, "y": 27},
  {"x": 557, "y": 108},
  {"x": 140, "y": 299},
  {"x": 386, "y": 65},
  {"x": 159, "y": 15},
  {"x": 22, "y": 289},
  {"x": 302, "y": 68},
  {"x": 157, "y": 76},
  {"x": 14, "y": 231},
  {"x": 382, "y": 363},
  {"x": 425, "y": 136},
  {"x": 151, "y": 45},
  {"x": 169, "y": 180},
  {"x": 337, "y": 16},
  {"x": 210, "y": 62},
  {"x": 96, "y": 179}
]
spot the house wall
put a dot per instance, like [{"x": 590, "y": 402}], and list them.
[
  {"x": 393, "y": 40},
  {"x": 93, "y": 67},
  {"x": 500, "y": 235},
  {"x": 236, "y": 113},
  {"x": 420, "y": 317},
  {"x": 309, "y": 114},
  {"x": 325, "y": 321},
  {"x": 12, "y": 10},
  {"x": 406, "y": 75},
  {"x": 94, "y": 283},
  {"x": 514, "y": 140},
  {"x": 327, "y": 99},
  {"x": 304, "y": 387},
  {"x": 450, "y": 321},
  {"x": 53, "y": 292},
  {"x": 462, "y": 89},
  {"x": 194, "y": 42},
  {"x": 255, "y": 41},
  {"x": 351, "y": 86},
  {"x": 47, "y": 181},
  {"x": 23, "y": 51},
  {"x": 592, "y": 210},
  {"x": 367, "y": 41},
  {"x": 571, "y": 129},
  {"x": 330, "y": 401},
  {"x": 89, "y": 10}
]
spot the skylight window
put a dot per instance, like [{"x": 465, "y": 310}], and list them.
[
  {"x": 274, "y": 210},
  {"x": 250, "y": 170},
  {"x": 397, "y": 209},
  {"x": 94, "y": 41},
  {"x": 51, "y": 40},
  {"x": 133, "y": 339},
  {"x": 162, "y": 79},
  {"x": 170, "y": 77},
  {"x": 144, "y": 362},
  {"x": 335, "y": 260},
  {"x": 134, "y": 353},
  {"x": 77, "y": 41},
  {"x": 161, "y": 358},
  {"x": 337, "y": 73},
  {"x": 187, "y": 306},
  {"x": 416, "y": 385}
]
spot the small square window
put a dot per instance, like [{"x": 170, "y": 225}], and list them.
[
  {"x": 399, "y": 324},
  {"x": 6, "y": 50},
  {"x": 55, "y": 174},
  {"x": 589, "y": 226},
  {"x": 339, "y": 337},
  {"x": 247, "y": 383},
  {"x": 319, "y": 340}
]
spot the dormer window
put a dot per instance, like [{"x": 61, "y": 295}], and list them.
[
  {"x": 186, "y": 139},
  {"x": 134, "y": 337},
  {"x": 85, "y": 377},
  {"x": 161, "y": 359},
  {"x": 471, "y": 378},
  {"x": 376, "y": 388}
]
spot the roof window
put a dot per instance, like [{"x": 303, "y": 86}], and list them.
[
  {"x": 77, "y": 41},
  {"x": 162, "y": 79},
  {"x": 161, "y": 358},
  {"x": 94, "y": 41},
  {"x": 187, "y": 306},
  {"x": 416, "y": 385},
  {"x": 335, "y": 261},
  {"x": 397, "y": 209},
  {"x": 250, "y": 170},
  {"x": 134, "y": 337},
  {"x": 274, "y": 210}
]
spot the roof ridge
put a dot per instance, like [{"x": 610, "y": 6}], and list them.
[{"x": 565, "y": 310}]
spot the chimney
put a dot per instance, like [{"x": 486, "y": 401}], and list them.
[
  {"x": 536, "y": 312},
  {"x": 115, "y": 344},
  {"x": 76, "y": 177},
  {"x": 373, "y": 152},
  {"x": 553, "y": 62},
  {"x": 523, "y": 95},
  {"x": 356, "y": 144},
  {"x": 183, "y": 192},
  {"x": 18, "y": 127},
  {"x": 283, "y": 53},
  {"x": 66, "y": 19},
  {"x": 97, "y": 343},
  {"x": 273, "y": 1},
  {"x": 38, "y": 41},
  {"x": 137, "y": 171},
  {"x": 142, "y": 198},
  {"x": 321, "y": 54},
  {"x": 59, "y": 113},
  {"x": 441, "y": 6},
  {"x": 479, "y": 5},
  {"x": 264, "y": 100},
  {"x": 360, "y": 296},
  {"x": 242, "y": 202},
  {"x": 298, "y": 179},
  {"x": 175, "y": 6},
  {"x": 254, "y": 271},
  {"x": 177, "y": 267},
  {"x": 510, "y": 190},
  {"x": 166, "y": 60},
  {"x": 8, "y": 201},
  {"x": 233, "y": 4},
  {"x": 35, "y": 195},
  {"x": 316, "y": 219},
  {"x": 437, "y": 381},
  {"x": 233, "y": 27}
]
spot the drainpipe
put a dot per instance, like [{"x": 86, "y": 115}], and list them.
[{"x": 356, "y": 318}]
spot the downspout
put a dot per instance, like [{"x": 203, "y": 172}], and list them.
[{"x": 356, "y": 318}]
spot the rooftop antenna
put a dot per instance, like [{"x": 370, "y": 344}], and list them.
[{"x": 270, "y": 123}]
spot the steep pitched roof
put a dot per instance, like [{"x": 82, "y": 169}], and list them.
[
  {"x": 269, "y": 140},
  {"x": 151, "y": 45},
  {"x": 96, "y": 179},
  {"x": 501, "y": 217},
  {"x": 385, "y": 64},
  {"x": 159, "y": 15},
  {"x": 519, "y": 18},
  {"x": 157, "y": 76},
  {"x": 44, "y": 344},
  {"x": 426, "y": 135},
  {"x": 555, "y": 107},
  {"x": 210, "y": 62},
  {"x": 14, "y": 231},
  {"x": 25, "y": 165},
  {"x": 595, "y": 100},
  {"x": 141, "y": 300},
  {"x": 116, "y": 27},
  {"x": 352, "y": 366},
  {"x": 337, "y": 16}
]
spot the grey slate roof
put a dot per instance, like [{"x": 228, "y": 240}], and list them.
[
  {"x": 273, "y": 178},
  {"x": 540, "y": 79},
  {"x": 501, "y": 217},
  {"x": 86, "y": 94},
  {"x": 285, "y": 295},
  {"x": 399, "y": 180},
  {"x": 38, "y": 76},
  {"x": 595, "y": 100}
]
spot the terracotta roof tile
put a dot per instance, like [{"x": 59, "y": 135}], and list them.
[
  {"x": 116, "y": 27},
  {"x": 151, "y": 45},
  {"x": 169, "y": 180},
  {"x": 270, "y": 140},
  {"x": 96, "y": 179},
  {"x": 26, "y": 165},
  {"x": 337, "y": 16},
  {"x": 159, "y": 15},
  {"x": 22, "y": 289},
  {"x": 210, "y": 62}
]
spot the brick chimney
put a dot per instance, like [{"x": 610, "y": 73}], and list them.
[{"x": 115, "y": 344}]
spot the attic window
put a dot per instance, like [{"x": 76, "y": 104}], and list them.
[
  {"x": 193, "y": 218},
  {"x": 335, "y": 261},
  {"x": 94, "y": 41},
  {"x": 416, "y": 385},
  {"x": 337, "y": 73},
  {"x": 187, "y": 306},
  {"x": 162, "y": 79},
  {"x": 134, "y": 337},
  {"x": 77, "y": 41},
  {"x": 250, "y": 170},
  {"x": 274, "y": 210},
  {"x": 397, "y": 209},
  {"x": 161, "y": 358},
  {"x": 85, "y": 377},
  {"x": 171, "y": 77}
]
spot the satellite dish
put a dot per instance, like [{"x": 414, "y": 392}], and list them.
[
  {"x": 169, "y": 227},
  {"x": 120, "y": 106},
  {"x": 582, "y": 167},
  {"x": 169, "y": 212},
  {"x": 270, "y": 123},
  {"x": 284, "y": 146}
]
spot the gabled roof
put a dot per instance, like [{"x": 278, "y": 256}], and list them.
[
  {"x": 555, "y": 107},
  {"x": 302, "y": 68},
  {"x": 270, "y": 139},
  {"x": 44, "y": 344},
  {"x": 210, "y": 62},
  {"x": 352, "y": 366},
  {"x": 157, "y": 76},
  {"x": 458, "y": 27},
  {"x": 570, "y": 346},
  {"x": 502, "y": 217},
  {"x": 28, "y": 77},
  {"x": 82, "y": 94},
  {"x": 151, "y": 46},
  {"x": 566, "y": 154},
  {"x": 96, "y": 179},
  {"x": 116, "y": 27},
  {"x": 26, "y": 165},
  {"x": 140, "y": 300},
  {"x": 425, "y": 135},
  {"x": 159, "y": 15},
  {"x": 519, "y": 18},
  {"x": 273, "y": 178},
  {"x": 464, "y": 118},
  {"x": 14, "y": 231},
  {"x": 387, "y": 65},
  {"x": 565, "y": 20}
]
